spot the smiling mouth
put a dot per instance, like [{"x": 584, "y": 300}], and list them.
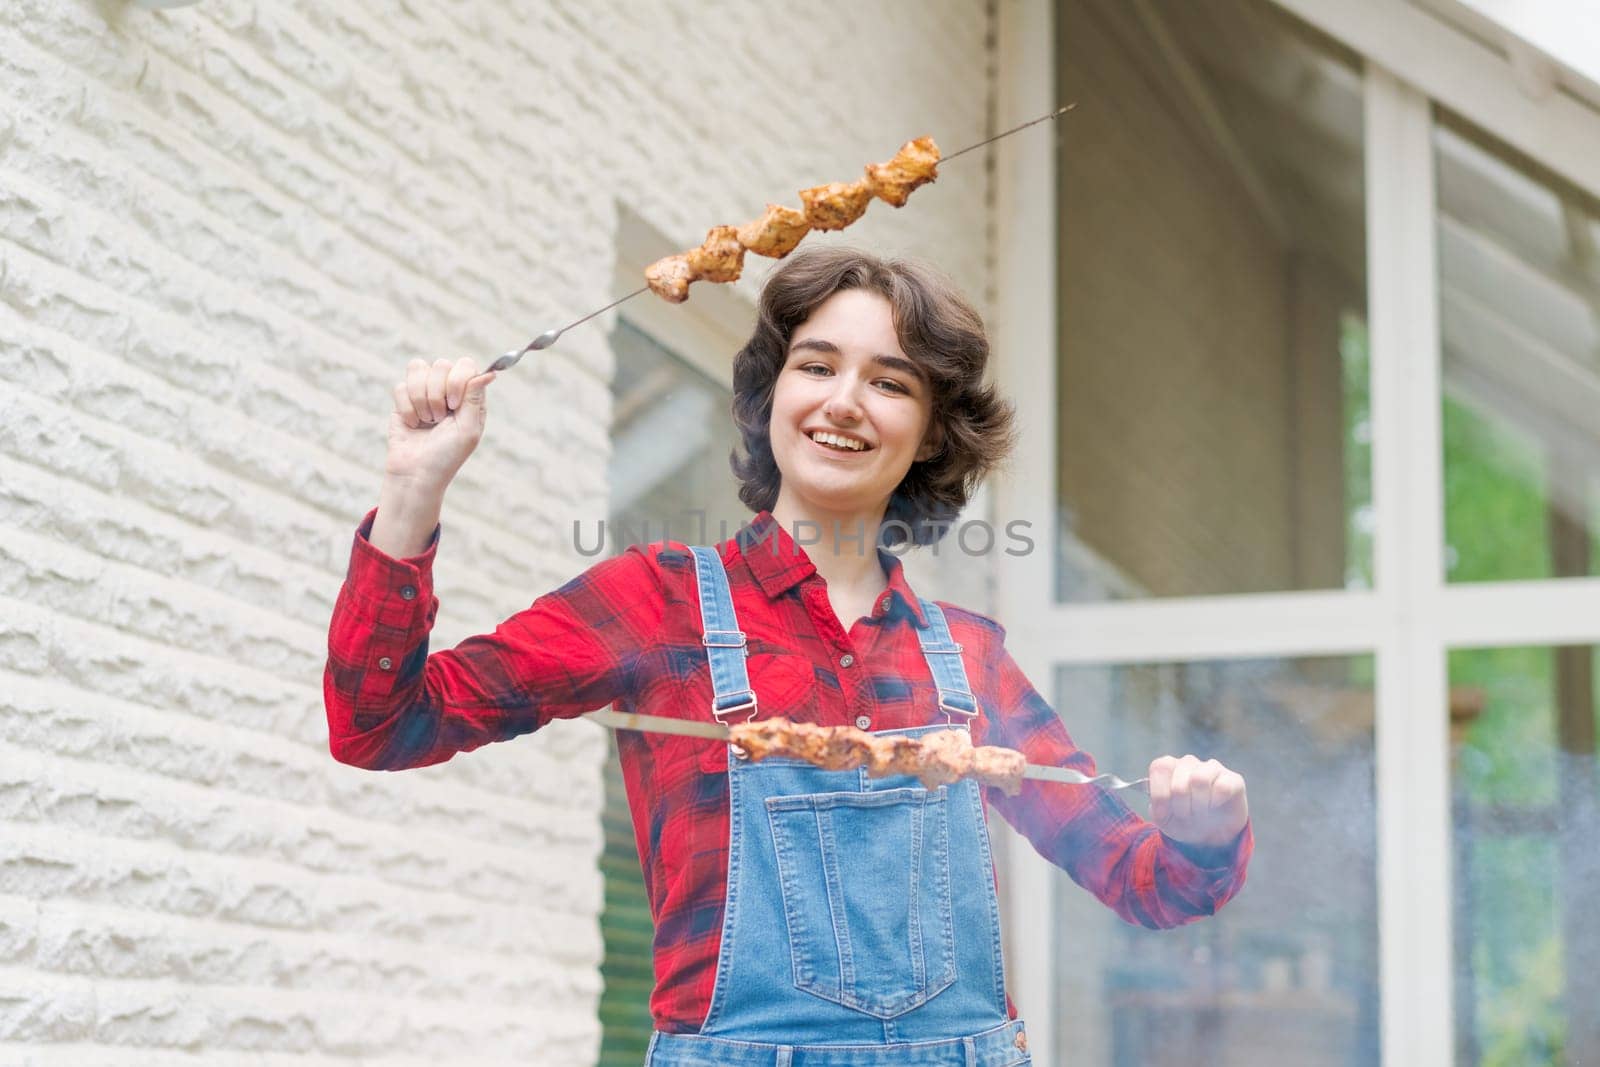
[{"x": 837, "y": 442}]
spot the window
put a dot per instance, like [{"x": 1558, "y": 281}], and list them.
[
  {"x": 1212, "y": 265},
  {"x": 1519, "y": 317},
  {"x": 671, "y": 436},
  {"x": 1288, "y": 973},
  {"x": 1526, "y": 816}
]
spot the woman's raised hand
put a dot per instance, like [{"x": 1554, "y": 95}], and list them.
[{"x": 439, "y": 412}]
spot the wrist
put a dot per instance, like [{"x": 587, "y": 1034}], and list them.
[
  {"x": 413, "y": 486},
  {"x": 408, "y": 513},
  {"x": 1206, "y": 856}
]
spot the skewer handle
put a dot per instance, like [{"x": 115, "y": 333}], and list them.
[{"x": 659, "y": 724}]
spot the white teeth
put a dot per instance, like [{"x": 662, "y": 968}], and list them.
[{"x": 823, "y": 438}]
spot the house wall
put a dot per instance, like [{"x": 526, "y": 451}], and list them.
[{"x": 224, "y": 229}]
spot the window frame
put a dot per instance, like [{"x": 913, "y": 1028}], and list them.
[
  {"x": 1411, "y": 619},
  {"x": 704, "y": 336}
]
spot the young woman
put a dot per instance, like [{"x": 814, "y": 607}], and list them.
[{"x": 803, "y": 917}]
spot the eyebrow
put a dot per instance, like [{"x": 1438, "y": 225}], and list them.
[{"x": 899, "y": 363}]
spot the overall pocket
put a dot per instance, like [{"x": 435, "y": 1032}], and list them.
[{"x": 865, "y": 879}]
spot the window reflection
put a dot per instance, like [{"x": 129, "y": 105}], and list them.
[
  {"x": 671, "y": 435},
  {"x": 1526, "y": 791},
  {"x": 1519, "y": 302},
  {"x": 1286, "y": 972},
  {"x": 1212, "y": 409}
]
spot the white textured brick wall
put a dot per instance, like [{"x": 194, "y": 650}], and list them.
[{"x": 223, "y": 231}]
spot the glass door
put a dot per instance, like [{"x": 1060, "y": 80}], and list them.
[{"x": 1316, "y": 467}]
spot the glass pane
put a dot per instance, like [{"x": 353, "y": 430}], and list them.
[
  {"x": 1288, "y": 971},
  {"x": 1526, "y": 792},
  {"x": 671, "y": 436},
  {"x": 1519, "y": 317},
  {"x": 1212, "y": 408},
  {"x": 670, "y": 443}
]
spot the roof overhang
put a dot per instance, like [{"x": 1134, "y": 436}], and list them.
[{"x": 1550, "y": 44}]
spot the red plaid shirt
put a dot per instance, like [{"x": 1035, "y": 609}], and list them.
[{"x": 627, "y": 631}]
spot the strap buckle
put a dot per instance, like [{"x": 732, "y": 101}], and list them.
[
  {"x": 723, "y": 639},
  {"x": 747, "y": 705},
  {"x": 744, "y": 705},
  {"x": 950, "y": 709}
]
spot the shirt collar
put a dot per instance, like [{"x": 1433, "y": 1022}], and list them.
[{"x": 779, "y": 563}]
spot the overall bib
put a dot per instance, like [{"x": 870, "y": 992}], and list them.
[{"x": 861, "y": 927}]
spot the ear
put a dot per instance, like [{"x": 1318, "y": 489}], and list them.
[{"x": 932, "y": 445}]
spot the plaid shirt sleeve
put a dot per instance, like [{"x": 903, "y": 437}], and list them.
[
  {"x": 1140, "y": 873},
  {"x": 392, "y": 705}
]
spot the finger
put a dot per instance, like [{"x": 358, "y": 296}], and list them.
[
  {"x": 1200, "y": 786},
  {"x": 455, "y": 385},
  {"x": 1161, "y": 789},
  {"x": 475, "y": 405},
  {"x": 404, "y": 408},
  {"x": 1182, "y": 808},
  {"x": 417, "y": 389},
  {"x": 1228, "y": 794},
  {"x": 477, "y": 388},
  {"x": 438, "y": 374}
]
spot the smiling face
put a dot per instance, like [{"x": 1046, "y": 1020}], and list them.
[{"x": 850, "y": 411}]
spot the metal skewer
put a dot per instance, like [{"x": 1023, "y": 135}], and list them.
[
  {"x": 715, "y": 731},
  {"x": 548, "y": 338}
]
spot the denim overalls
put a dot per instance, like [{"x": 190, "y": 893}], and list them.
[{"x": 861, "y": 927}]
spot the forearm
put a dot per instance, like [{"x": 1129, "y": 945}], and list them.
[
  {"x": 1153, "y": 881},
  {"x": 391, "y": 705},
  {"x": 408, "y": 513},
  {"x": 376, "y": 638}
]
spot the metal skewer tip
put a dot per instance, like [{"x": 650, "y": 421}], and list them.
[{"x": 1057, "y": 113}]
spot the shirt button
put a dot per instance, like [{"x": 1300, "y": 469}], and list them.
[
  {"x": 884, "y": 603},
  {"x": 862, "y": 722},
  {"x": 846, "y": 659},
  {"x": 408, "y": 592},
  {"x": 385, "y": 663}
]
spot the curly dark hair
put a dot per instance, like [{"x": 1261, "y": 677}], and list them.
[{"x": 971, "y": 425}]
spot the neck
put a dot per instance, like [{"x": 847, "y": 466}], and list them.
[{"x": 842, "y": 544}]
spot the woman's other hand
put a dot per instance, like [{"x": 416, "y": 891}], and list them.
[{"x": 1198, "y": 802}]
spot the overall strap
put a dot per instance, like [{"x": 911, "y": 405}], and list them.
[
  {"x": 724, "y": 641},
  {"x": 944, "y": 663}
]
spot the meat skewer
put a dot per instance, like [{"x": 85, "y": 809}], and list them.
[
  {"x": 781, "y": 229},
  {"x": 835, "y": 205},
  {"x": 936, "y": 758},
  {"x": 916, "y": 164},
  {"x": 777, "y": 232}
]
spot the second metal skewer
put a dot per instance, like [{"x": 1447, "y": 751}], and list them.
[{"x": 621, "y": 720}]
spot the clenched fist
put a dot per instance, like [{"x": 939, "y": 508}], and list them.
[
  {"x": 1197, "y": 802},
  {"x": 439, "y": 412}
]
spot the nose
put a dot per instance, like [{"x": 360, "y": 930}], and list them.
[{"x": 842, "y": 404}]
